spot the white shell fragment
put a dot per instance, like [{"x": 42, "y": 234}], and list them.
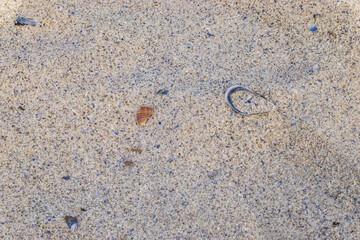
[{"x": 25, "y": 21}]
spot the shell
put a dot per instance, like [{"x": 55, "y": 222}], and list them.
[
  {"x": 143, "y": 114},
  {"x": 233, "y": 89},
  {"x": 72, "y": 222},
  {"x": 24, "y": 21}
]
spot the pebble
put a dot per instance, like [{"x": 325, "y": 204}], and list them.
[
  {"x": 128, "y": 163},
  {"x": 313, "y": 29},
  {"x": 72, "y": 222},
  {"x": 66, "y": 178},
  {"x": 163, "y": 92},
  {"x": 212, "y": 174},
  {"x": 138, "y": 150}
]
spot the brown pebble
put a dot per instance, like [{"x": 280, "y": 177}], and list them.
[
  {"x": 128, "y": 163},
  {"x": 138, "y": 150},
  {"x": 143, "y": 114}
]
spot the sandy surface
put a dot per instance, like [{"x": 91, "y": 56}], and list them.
[{"x": 70, "y": 88}]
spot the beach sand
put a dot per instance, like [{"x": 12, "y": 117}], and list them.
[{"x": 70, "y": 88}]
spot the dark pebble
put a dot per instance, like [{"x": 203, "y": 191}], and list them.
[
  {"x": 72, "y": 222},
  {"x": 336, "y": 224},
  {"x": 163, "y": 92},
  {"x": 66, "y": 178}
]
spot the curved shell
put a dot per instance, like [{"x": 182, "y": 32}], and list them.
[
  {"x": 143, "y": 114},
  {"x": 233, "y": 89}
]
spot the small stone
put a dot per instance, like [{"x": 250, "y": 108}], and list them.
[
  {"x": 212, "y": 174},
  {"x": 66, "y": 178},
  {"x": 128, "y": 163},
  {"x": 138, "y": 150},
  {"x": 162, "y": 92},
  {"x": 72, "y": 222},
  {"x": 313, "y": 29}
]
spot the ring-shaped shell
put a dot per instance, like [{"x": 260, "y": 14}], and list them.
[{"x": 236, "y": 88}]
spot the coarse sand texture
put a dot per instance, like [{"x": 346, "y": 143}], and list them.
[{"x": 76, "y": 163}]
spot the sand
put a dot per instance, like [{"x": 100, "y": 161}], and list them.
[{"x": 70, "y": 88}]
